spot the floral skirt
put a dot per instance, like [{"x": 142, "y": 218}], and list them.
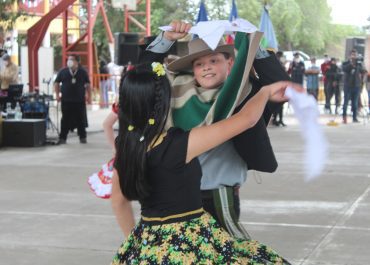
[{"x": 198, "y": 241}]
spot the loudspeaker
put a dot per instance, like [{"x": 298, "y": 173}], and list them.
[
  {"x": 355, "y": 43},
  {"x": 126, "y": 47},
  {"x": 24, "y": 133}
]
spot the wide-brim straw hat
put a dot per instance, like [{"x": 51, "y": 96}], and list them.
[{"x": 198, "y": 48}]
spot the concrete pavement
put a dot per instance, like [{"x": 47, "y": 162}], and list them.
[{"x": 48, "y": 215}]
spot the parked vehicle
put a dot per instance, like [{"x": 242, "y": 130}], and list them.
[{"x": 289, "y": 55}]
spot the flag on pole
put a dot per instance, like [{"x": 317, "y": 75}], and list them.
[
  {"x": 233, "y": 15},
  {"x": 234, "y": 12},
  {"x": 202, "y": 15},
  {"x": 269, "y": 41}
]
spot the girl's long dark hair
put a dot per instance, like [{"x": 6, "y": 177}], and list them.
[{"x": 142, "y": 96}]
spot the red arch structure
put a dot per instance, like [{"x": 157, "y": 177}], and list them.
[{"x": 36, "y": 33}]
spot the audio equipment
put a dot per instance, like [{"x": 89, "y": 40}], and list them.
[
  {"x": 24, "y": 133},
  {"x": 126, "y": 47}
]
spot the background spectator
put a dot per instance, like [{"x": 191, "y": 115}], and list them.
[
  {"x": 8, "y": 73},
  {"x": 75, "y": 86},
  {"x": 353, "y": 73},
  {"x": 297, "y": 69},
  {"x": 312, "y": 74},
  {"x": 332, "y": 77}
]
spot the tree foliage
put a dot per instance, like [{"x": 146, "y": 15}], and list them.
[
  {"x": 299, "y": 24},
  {"x": 7, "y": 15},
  {"x": 250, "y": 10}
]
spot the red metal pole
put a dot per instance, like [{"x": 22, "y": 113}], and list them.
[
  {"x": 35, "y": 35},
  {"x": 106, "y": 22},
  {"x": 90, "y": 40},
  {"x": 127, "y": 20},
  {"x": 64, "y": 38},
  {"x": 148, "y": 24}
]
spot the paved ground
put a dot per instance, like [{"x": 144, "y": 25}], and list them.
[{"x": 48, "y": 215}]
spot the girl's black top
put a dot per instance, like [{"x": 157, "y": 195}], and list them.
[{"x": 175, "y": 185}]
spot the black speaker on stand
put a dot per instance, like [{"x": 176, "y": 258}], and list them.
[{"x": 126, "y": 48}]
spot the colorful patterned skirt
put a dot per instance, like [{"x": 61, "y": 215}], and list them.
[{"x": 200, "y": 240}]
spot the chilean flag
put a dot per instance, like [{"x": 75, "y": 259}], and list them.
[
  {"x": 232, "y": 17},
  {"x": 202, "y": 15}
]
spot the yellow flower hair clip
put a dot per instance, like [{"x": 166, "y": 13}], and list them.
[
  {"x": 130, "y": 128},
  {"x": 158, "y": 69},
  {"x": 151, "y": 121}
]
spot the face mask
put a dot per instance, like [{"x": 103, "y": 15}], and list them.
[
  {"x": 296, "y": 60},
  {"x": 70, "y": 63}
]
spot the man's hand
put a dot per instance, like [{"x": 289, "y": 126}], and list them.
[
  {"x": 88, "y": 99},
  {"x": 57, "y": 91},
  {"x": 179, "y": 30}
]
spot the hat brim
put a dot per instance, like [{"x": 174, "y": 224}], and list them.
[{"x": 185, "y": 62}]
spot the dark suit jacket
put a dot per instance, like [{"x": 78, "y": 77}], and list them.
[{"x": 253, "y": 145}]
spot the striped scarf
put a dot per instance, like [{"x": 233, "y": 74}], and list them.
[{"x": 193, "y": 106}]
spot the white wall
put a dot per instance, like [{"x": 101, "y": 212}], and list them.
[{"x": 46, "y": 69}]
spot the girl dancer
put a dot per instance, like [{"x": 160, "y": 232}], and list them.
[{"x": 160, "y": 169}]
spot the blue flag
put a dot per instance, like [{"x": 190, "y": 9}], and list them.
[
  {"x": 202, "y": 15},
  {"x": 269, "y": 39},
  {"x": 234, "y": 12}
]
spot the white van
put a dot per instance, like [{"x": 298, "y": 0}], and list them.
[{"x": 289, "y": 55}]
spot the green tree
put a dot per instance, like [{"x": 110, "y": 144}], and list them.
[
  {"x": 7, "y": 15},
  {"x": 250, "y": 10},
  {"x": 335, "y": 42},
  {"x": 286, "y": 17},
  {"x": 164, "y": 11},
  {"x": 315, "y": 26},
  {"x": 217, "y": 9},
  {"x": 299, "y": 24},
  {"x": 115, "y": 19}
]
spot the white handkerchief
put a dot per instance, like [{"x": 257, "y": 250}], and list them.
[
  {"x": 212, "y": 31},
  {"x": 243, "y": 25},
  {"x": 316, "y": 146}
]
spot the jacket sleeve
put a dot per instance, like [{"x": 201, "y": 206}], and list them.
[
  {"x": 269, "y": 70},
  {"x": 156, "y": 51},
  {"x": 254, "y": 145}
]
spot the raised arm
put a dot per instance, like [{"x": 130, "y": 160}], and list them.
[
  {"x": 157, "y": 49},
  {"x": 204, "y": 138},
  {"x": 108, "y": 124},
  {"x": 122, "y": 207}
]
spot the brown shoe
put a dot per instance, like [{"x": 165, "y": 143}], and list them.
[{"x": 345, "y": 120}]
